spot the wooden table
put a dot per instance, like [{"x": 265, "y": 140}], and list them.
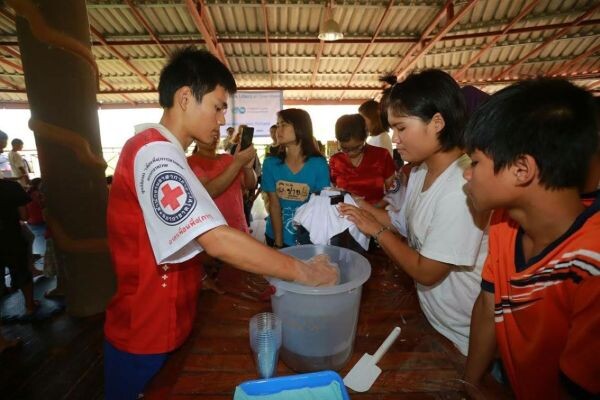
[{"x": 422, "y": 364}]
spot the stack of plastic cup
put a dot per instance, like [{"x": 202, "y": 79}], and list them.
[{"x": 265, "y": 340}]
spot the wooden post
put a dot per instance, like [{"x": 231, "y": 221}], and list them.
[{"x": 61, "y": 81}]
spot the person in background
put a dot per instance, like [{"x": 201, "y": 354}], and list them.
[
  {"x": 445, "y": 244},
  {"x": 13, "y": 245},
  {"x": 250, "y": 193},
  {"x": 228, "y": 140},
  {"x": 160, "y": 217},
  {"x": 290, "y": 178},
  {"x": 273, "y": 148},
  {"x": 359, "y": 168},
  {"x": 36, "y": 223},
  {"x": 109, "y": 180},
  {"x": 18, "y": 165},
  {"x": 378, "y": 133},
  {"x": 225, "y": 178},
  {"x": 4, "y": 163},
  {"x": 531, "y": 145}
]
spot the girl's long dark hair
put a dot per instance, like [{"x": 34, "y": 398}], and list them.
[{"x": 302, "y": 124}]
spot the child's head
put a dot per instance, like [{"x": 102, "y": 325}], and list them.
[
  {"x": 427, "y": 113},
  {"x": 542, "y": 132},
  {"x": 351, "y": 134},
  {"x": 294, "y": 126},
  {"x": 17, "y": 144},
  {"x": 372, "y": 115},
  {"x": 3, "y": 140},
  {"x": 35, "y": 184}
]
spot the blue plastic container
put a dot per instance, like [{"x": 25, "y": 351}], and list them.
[{"x": 263, "y": 387}]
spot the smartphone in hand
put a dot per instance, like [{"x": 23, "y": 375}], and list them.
[{"x": 246, "y": 137}]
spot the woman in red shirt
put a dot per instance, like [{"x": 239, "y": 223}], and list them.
[{"x": 358, "y": 167}]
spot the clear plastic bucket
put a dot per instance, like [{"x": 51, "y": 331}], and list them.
[{"x": 319, "y": 324}]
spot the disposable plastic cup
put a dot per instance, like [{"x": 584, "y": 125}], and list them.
[{"x": 265, "y": 340}]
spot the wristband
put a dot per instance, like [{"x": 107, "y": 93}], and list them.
[{"x": 379, "y": 232}]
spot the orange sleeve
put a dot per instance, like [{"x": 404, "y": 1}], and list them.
[{"x": 579, "y": 360}]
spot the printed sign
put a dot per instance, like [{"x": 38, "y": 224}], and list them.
[{"x": 256, "y": 109}]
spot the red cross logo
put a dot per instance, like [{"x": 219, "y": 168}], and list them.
[{"x": 170, "y": 196}]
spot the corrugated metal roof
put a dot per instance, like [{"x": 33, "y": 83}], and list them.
[{"x": 346, "y": 70}]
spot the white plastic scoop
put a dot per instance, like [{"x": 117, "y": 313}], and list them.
[{"x": 365, "y": 372}]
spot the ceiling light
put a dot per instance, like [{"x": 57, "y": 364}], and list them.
[{"x": 330, "y": 31}]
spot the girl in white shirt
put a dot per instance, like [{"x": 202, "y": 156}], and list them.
[{"x": 445, "y": 245}]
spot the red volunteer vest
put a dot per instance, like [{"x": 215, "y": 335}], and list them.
[{"x": 154, "y": 306}]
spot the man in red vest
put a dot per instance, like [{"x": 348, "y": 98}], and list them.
[{"x": 160, "y": 217}]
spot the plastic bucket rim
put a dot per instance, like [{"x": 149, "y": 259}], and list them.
[{"x": 328, "y": 290}]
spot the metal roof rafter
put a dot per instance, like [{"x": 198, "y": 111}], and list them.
[
  {"x": 549, "y": 40},
  {"x": 401, "y": 71},
  {"x": 368, "y": 48},
  {"x": 495, "y": 39}
]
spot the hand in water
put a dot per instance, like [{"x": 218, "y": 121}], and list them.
[{"x": 319, "y": 271}]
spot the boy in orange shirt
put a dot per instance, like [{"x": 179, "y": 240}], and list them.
[{"x": 530, "y": 146}]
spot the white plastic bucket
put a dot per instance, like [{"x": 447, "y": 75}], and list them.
[{"x": 319, "y": 324}]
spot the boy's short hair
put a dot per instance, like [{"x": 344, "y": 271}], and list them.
[
  {"x": 551, "y": 120},
  {"x": 3, "y": 136},
  {"x": 16, "y": 142},
  {"x": 350, "y": 126},
  {"x": 429, "y": 92},
  {"x": 199, "y": 70}
]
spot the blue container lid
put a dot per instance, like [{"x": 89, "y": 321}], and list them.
[{"x": 261, "y": 387}]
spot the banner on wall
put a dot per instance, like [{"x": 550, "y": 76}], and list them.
[{"x": 253, "y": 108}]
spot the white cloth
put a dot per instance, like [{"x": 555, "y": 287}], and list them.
[
  {"x": 176, "y": 207},
  {"x": 381, "y": 140},
  {"x": 323, "y": 220},
  {"x": 438, "y": 223}
]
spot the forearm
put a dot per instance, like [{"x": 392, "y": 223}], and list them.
[
  {"x": 219, "y": 184},
  {"x": 276, "y": 219},
  {"x": 249, "y": 178},
  {"x": 482, "y": 338},
  {"x": 246, "y": 253},
  {"x": 423, "y": 270}
]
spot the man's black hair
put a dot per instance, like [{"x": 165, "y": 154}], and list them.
[
  {"x": 199, "y": 70},
  {"x": 350, "y": 126},
  {"x": 429, "y": 92},
  {"x": 551, "y": 120}
]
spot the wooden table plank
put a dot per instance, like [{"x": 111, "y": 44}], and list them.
[{"x": 421, "y": 364}]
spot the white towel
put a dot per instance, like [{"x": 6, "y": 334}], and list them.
[{"x": 323, "y": 220}]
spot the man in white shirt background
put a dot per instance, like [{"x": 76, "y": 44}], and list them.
[{"x": 18, "y": 165}]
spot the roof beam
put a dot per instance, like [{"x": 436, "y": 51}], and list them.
[
  {"x": 400, "y": 70},
  {"x": 549, "y": 40},
  {"x": 565, "y": 68},
  {"x": 580, "y": 76},
  {"x": 142, "y": 20},
  {"x": 459, "y": 74},
  {"x": 204, "y": 27},
  {"x": 178, "y": 39},
  {"x": 266, "y": 23},
  {"x": 313, "y": 77},
  {"x": 434, "y": 22},
  {"x": 121, "y": 57},
  {"x": 368, "y": 48}
]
